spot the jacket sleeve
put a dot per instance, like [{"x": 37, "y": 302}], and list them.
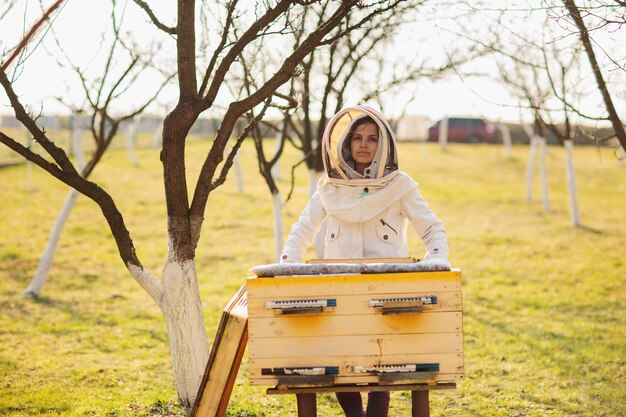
[
  {"x": 428, "y": 227},
  {"x": 304, "y": 230}
]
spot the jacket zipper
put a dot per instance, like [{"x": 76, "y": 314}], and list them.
[{"x": 388, "y": 225}]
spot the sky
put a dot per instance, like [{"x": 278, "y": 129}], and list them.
[{"x": 80, "y": 23}]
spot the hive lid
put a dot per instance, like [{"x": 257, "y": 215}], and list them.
[{"x": 349, "y": 267}]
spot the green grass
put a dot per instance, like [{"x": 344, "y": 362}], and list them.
[{"x": 544, "y": 323}]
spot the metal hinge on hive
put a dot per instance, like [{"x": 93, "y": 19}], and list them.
[
  {"x": 308, "y": 306},
  {"x": 316, "y": 376},
  {"x": 401, "y": 373},
  {"x": 400, "y": 305},
  {"x": 308, "y": 371}
]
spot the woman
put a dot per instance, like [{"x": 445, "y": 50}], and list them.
[{"x": 367, "y": 203}]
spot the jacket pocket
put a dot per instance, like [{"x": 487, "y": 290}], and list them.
[
  {"x": 387, "y": 232},
  {"x": 332, "y": 230}
]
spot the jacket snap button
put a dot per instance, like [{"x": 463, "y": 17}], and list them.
[
  {"x": 284, "y": 256},
  {"x": 332, "y": 235},
  {"x": 367, "y": 171},
  {"x": 385, "y": 237}
]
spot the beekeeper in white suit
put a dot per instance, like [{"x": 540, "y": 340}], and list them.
[{"x": 368, "y": 203}]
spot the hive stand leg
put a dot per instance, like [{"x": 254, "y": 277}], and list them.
[
  {"x": 420, "y": 403},
  {"x": 307, "y": 405}
]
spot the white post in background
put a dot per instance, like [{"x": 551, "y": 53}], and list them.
[
  {"x": 29, "y": 165},
  {"x": 570, "y": 175},
  {"x": 131, "y": 134},
  {"x": 506, "y": 140},
  {"x": 158, "y": 135},
  {"x": 443, "y": 133},
  {"x": 543, "y": 173},
  {"x": 277, "y": 209}
]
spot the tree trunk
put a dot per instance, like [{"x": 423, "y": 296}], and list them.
[
  {"x": 45, "y": 261},
  {"x": 618, "y": 127},
  {"x": 570, "y": 174},
  {"x": 182, "y": 309},
  {"x": 277, "y": 207}
]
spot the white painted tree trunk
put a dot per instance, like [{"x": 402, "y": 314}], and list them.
[
  {"x": 45, "y": 261},
  {"x": 506, "y": 140},
  {"x": 178, "y": 298},
  {"x": 530, "y": 165},
  {"x": 277, "y": 210},
  {"x": 543, "y": 174},
  {"x": 319, "y": 244},
  {"x": 182, "y": 309},
  {"x": 570, "y": 175},
  {"x": 131, "y": 135},
  {"x": 443, "y": 133},
  {"x": 47, "y": 257}
]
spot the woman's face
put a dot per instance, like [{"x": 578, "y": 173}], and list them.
[{"x": 363, "y": 146}]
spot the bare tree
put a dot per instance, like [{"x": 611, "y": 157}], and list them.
[
  {"x": 199, "y": 87},
  {"x": 541, "y": 82},
  {"x": 585, "y": 39},
  {"x": 121, "y": 69}
]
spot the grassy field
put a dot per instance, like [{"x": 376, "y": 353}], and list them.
[{"x": 545, "y": 316}]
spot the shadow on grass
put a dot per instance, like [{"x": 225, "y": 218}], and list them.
[
  {"x": 535, "y": 356},
  {"x": 590, "y": 230}
]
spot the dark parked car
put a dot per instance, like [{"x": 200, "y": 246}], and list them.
[{"x": 465, "y": 130}]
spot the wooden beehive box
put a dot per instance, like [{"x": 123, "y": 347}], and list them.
[{"x": 384, "y": 329}]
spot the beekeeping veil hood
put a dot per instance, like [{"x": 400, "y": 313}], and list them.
[
  {"x": 345, "y": 193},
  {"x": 338, "y": 163}
]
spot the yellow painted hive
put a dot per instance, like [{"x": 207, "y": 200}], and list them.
[{"x": 356, "y": 329}]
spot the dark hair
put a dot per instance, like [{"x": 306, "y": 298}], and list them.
[{"x": 361, "y": 122}]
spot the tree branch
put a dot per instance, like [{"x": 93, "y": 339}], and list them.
[{"x": 154, "y": 19}]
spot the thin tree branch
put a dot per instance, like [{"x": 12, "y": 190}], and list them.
[{"x": 154, "y": 19}]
